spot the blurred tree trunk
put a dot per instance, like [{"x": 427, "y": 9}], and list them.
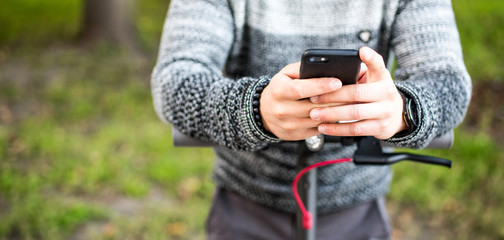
[{"x": 109, "y": 20}]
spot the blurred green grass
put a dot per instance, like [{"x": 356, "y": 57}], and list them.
[
  {"x": 481, "y": 26},
  {"x": 83, "y": 155},
  {"x": 464, "y": 202},
  {"x": 38, "y": 22},
  {"x": 92, "y": 132}
]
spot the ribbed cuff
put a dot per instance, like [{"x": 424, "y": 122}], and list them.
[{"x": 258, "y": 131}]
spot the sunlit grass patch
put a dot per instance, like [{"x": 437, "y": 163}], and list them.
[{"x": 467, "y": 196}]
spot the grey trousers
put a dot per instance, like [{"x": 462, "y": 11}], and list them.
[{"x": 235, "y": 217}]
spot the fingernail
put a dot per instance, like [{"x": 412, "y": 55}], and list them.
[
  {"x": 367, "y": 52},
  {"x": 321, "y": 128},
  {"x": 314, "y": 99},
  {"x": 335, "y": 84},
  {"x": 314, "y": 114}
]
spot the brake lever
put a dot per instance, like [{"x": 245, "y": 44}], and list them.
[{"x": 369, "y": 152}]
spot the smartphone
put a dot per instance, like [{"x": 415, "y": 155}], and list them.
[{"x": 343, "y": 64}]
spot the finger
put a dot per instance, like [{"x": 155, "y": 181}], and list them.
[
  {"x": 373, "y": 61},
  {"x": 293, "y": 125},
  {"x": 292, "y": 70},
  {"x": 291, "y": 131},
  {"x": 290, "y": 109},
  {"x": 368, "y": 92},
  {"x": 287, "y": 89},
  {"x": 299, "y": 135},
  {"x": 349, "y": 112},
  {"x": 306, "y": 88},
  {"x": 361, "y": 128}
]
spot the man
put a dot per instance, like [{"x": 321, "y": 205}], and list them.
[{"x": 215, "y": 55}]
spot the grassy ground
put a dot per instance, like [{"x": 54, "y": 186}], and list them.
[
  {"x": 83, "y": 156},
  {"x": 78, "y": 138}
]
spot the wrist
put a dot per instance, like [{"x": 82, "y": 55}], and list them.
[
  {"x": 409, "y": 115},
  {"x": 256, "y": 106}
]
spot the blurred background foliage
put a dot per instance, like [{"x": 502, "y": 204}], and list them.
[{"x": 83, "y": 155}]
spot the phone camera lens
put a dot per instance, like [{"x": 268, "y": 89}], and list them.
[{"x": 312, "y": 59}]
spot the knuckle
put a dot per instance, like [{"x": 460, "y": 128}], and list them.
[
  {"x": 381, "y": 70},
  {"x": 297, "y": 91},
  {"x": 356, "y": 112},
  {"x": 383, "y": 126},
  {"x": 272, "y": 90},
  {"x": 356, "y": 93},
  {"x": 379, "y": 58},
  {"x": 287, "y": 67},
  {"x": 328, "y": 85},
  {"x": 355, "y": 129},
  {"x": 392, "y": 94},
  {"x": 388, "y": 113},
  {"x": 280, "y": 112},
  {"x": 290, "y": 126}
]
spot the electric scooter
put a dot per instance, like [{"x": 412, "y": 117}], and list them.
[{"x": 370, "y": 151}]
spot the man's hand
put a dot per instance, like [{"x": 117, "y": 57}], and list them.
[
  {"x": 285, "y": 106},
  {"x": 374, "y": 102}
]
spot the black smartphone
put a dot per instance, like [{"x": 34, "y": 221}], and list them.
[{"x": 343, "y": 64}]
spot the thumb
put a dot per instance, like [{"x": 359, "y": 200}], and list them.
[
  {"x": 292, "y": 70},
  {"x": 373, "y": 61}
]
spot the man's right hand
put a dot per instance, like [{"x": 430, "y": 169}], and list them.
[{"x": 285, "y": 106}]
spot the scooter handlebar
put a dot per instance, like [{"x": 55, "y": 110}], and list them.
[{"x": 181, "y": 140}]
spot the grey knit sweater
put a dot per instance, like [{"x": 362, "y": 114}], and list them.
[{"x": 214, "y": 53}]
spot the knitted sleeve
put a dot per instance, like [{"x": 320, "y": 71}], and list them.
[
  {"x": 188, "y": 87},
  {"x": 430, "y": 68}
]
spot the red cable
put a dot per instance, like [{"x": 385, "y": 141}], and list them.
[{"x": 307, "y": 216}]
